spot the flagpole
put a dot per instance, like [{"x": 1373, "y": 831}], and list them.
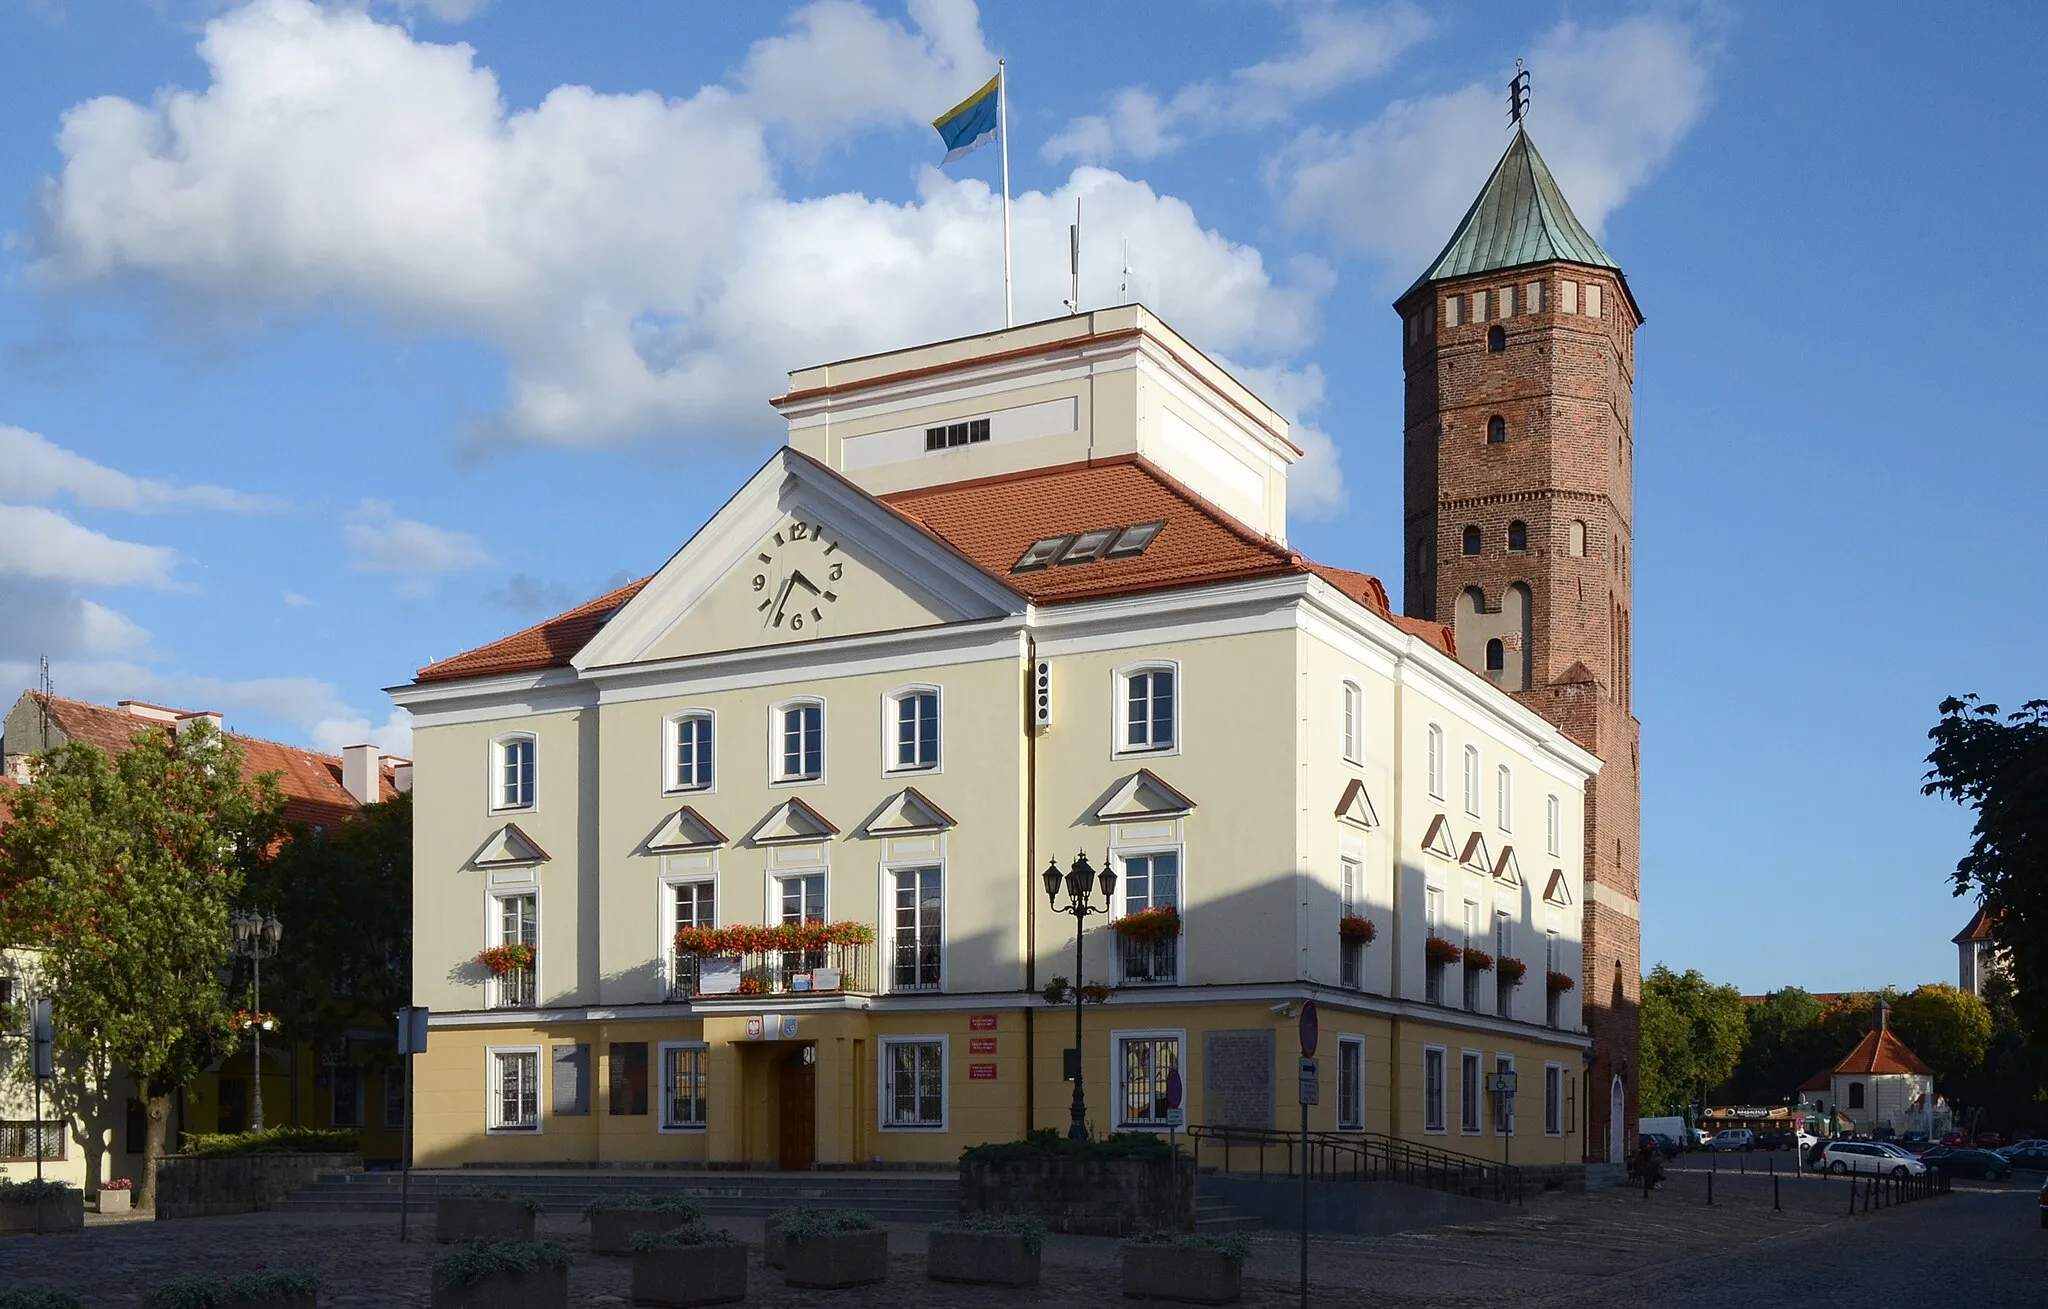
[{"x": 1003, "y": 143}]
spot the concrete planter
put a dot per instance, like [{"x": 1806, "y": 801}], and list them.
[
  {"x": 116, "y": 1202},
  {"x": 205, "y": 1186},
  {"x": 690, "y": 1275},
  {"x": 771, "y": 1249},
  {"x": 611, "y": 1230},
  {"x": 58, "y": 1213},
  {"x": 467, "y": 1219},
  {"x": 1084, "y": 1197},
  {"x": 1164, "y": 1272},
  {"x": 839, "y": 1260},
  {"x": 989, "y": 1258},
  {"x": 547, "y": 1288}
]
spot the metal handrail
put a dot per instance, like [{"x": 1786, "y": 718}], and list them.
[{"x": 1367, "y": 1157}]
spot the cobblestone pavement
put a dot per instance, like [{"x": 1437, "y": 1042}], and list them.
[{"x": 1617, "y": 1248}]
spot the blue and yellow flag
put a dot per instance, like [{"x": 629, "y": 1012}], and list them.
[{"x": 971, "y": 124}]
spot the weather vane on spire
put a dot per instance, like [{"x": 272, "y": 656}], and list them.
[{"x": 1518, "y": 96}]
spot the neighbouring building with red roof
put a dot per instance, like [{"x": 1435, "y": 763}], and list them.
[
  {"x": 1978, "y": 953},
  {"x": 1881, "y": 1086},
  {"x": 747, "y": 863}
]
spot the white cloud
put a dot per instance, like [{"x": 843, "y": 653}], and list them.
[
  {"x": 295, "y": 600},
  {"x": 1315, "y": 485},
  {"x": 35, "y": 468},
  {"x": 42, "y": 543},
  {"x": 392, "y": 736},
  {"x": 1334, "y": 46},
  {"x": 385, "y": 543},
  {"x": 41, "y": 618},
  {"x": 1609, "y": 106},
  {"x": 634, "y": 258}
]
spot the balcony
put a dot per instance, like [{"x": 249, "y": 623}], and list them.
[
  {"x": 513, "y": 989},
  {"x": 1143, "y": 961},
  {"x": 831, "y": 969}
]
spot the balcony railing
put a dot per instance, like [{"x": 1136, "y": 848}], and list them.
[
  {"x": 1148, "y": 961},
  {"x": 512, "y": 989},
  {"x": 832, "y": 968}
]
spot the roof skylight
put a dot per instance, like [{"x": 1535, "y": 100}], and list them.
[{"x": 1097, "y": 543}]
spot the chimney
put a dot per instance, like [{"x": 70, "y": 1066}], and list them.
[
  {"x": 360, "y": 774},
  {"x": 401, "y": 774},
  {"x": 1880, "y": 1016},
  {"x": 155, "y": 713},
  {"x": 187, "y": 720}
]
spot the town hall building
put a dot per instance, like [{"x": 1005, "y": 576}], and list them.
[{"x": 746, "y": 863}]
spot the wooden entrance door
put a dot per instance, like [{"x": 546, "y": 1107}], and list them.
[{"x": 797, "y": 1096}]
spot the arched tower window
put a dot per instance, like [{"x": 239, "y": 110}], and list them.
[
  {"x": 1518, "y": 536},
  {"x": 1496, "y": 656},
  {"x": 1577, "y": 543},
  {"x": 1496, "y": 339},
  {"x": 1496, "y": 430},
  {"x": 1472, "y": 540}
]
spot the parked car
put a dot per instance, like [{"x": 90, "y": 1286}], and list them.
[
  {"x": 2030, "y": 1157},
  {"x": 1774, "y": 1140},
  {"x": 1990, "y": 1140},
  {"x": 1954, "y": 1139},
  {"x": 1869, "y": 1157},
  {"x": 1983, "y": 1164},
  {"x": 1732, "y": 1138},
  {"x": 2044, "y": 1204},
  {"x": 1662, "y": 1143},
  {"x": 1700, "y": 1137}
]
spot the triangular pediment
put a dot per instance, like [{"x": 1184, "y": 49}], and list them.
[
  {"x": 1474, "y": 855},
  {"x": 792, "y": 820},
  {"x": 1438, "y": 839},
  {"x": 508, "y": 847},
  {"x": 1558, "y": 891},
  {"x": 685, "y": 829},
  {"x": 799, "y": 554},
  {"x": 1355, "y": 806},
  {"x": 1141, "y": 795},
  {"x": 1507, "y": 870},
  {"x": 909, "y": 810}
]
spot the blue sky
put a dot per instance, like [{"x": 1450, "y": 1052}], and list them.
[{"x": 337, "y": 339}]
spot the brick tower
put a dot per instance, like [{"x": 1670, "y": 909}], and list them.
[{"x": 1519, "y": 350}]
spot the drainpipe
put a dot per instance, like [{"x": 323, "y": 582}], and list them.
[{"x": 1030, "y": 899}]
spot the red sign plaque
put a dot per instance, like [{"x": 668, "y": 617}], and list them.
[
  {"x": 981, "y": 1022},
  {"x": 981, "y": 1045},
  {"x": 982, "y": 1072}
]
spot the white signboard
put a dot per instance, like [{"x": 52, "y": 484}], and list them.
[{"x": 718, "y": 975}]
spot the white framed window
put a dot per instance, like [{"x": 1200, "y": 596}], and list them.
[
  {"x": 1151, "y": 880},
  {"x": 1553, "y": 824},
  {"x": 685, "y": 902},
  {"x": 1503, "y": 935},
  {"x": 515, "y": 920},
  {"x": 1468, "y": 1092},
  {"x": 1350, "y": 1084},
  {"x": 684, "y": 1070},
  {"x": 1503, "y": 1105},
  {"x": 692, "y": 750},
  {"x": 514, "y": 1088},
  {"x": 513, "y": 760},
  {"x": 798, "y": 748},
  {"x": 1352, "y": 874},
  {"x": 913, "y": 1091},
  {"x": 912, "y": 730},
  {"x": 1553, "y": 1099},
  {"x": 1148, "y": 709},
  {"x": 1433, "y": 1057},
  {"x": 1472, "y": 780},
  {"x": 345, "y": 1095},
  {"x": 1504, "y": 798},
  {"x": 394, "y": 1096},
  {"x": 1436, "y": 761},
  {"x": 917, "y": 933},
  {"x": 1142, "y": 1061},
  {"x": 1354, "y": 724},
  {"x": 1433, "y": 909}
]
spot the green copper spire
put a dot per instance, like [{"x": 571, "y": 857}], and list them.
[{"x": 1519, "y": 218}]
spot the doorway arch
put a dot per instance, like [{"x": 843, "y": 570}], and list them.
[{"x": 1617, "y": 1106}]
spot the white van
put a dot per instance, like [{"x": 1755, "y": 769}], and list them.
[{"x": 1672, "y": 1127}]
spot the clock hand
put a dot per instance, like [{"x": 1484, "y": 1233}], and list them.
[
  {"x": 781, "y": 597},
  {"x": 803, "y": 581}
]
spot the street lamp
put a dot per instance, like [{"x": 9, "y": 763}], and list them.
[
  {"x": 256, "y": 938},
  {"x": 1079, "y": 880}
]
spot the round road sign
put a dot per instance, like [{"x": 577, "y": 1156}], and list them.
[{"x": 1307, "y": 1028}]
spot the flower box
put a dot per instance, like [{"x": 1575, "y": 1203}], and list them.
[
  {"x": 541, "y": 1288},
  {"x": 1477, "y": 960},
  {"x": 1512, "y": 970},
  {"x": 989, "y": 1258},
  {"x": 758, "y": 938},
  {"x": 1558, "y": 983},
  {"x": 690, "y": 1275},
  {"x": 503, "y": 959},
  {"x": 51, "y": 1209},
  {"x": 1166, "y": 1272},
  {"x": 611, "y": 1230},
  {"x": 282, "y": 1288},
  {"x": 1437, "y": 950},
  {"x": 1354, "y": 930},
  {"x": 1161, "y": 923},
  {"x": 116, "y": 1202},
  {"x": 837, "y": 1259},
  {"x": 473, "y": 1218}
]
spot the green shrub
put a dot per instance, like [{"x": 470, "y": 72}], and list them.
[
  {"x": 1046, "y": 1143},
  {"x": 30, "y": 1192},
  {"x": 691, "y": 1233},
  {"x": 38, "y": 1300},
  {"x": 278, "y": 1140},
  {"x": 205, "y": 1291},
  {"x": 681, "y": 1207},
  {"x": 477, "y": 1192},
  {"x": 473, "y": 1261},
  {"x": 802, "y": 1220},
  {"x": 1233, "y": 1246},
  {"x": 1022, "y": 1225}
]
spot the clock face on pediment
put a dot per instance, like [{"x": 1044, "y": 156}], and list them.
[{"x": 799, "y": 577}]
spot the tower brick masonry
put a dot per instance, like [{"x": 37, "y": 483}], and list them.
[{"x": 1518, "y": 530}]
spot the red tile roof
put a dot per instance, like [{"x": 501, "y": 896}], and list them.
[
  {"x": 1881, "y": 1052},
  {"x": 551, "y": 644},
  {"x": 1981, "y": 927},
  {"x": 310, "y": 782}
]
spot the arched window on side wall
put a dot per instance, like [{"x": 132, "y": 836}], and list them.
[
  {"x": 1576, "y": 544},
  {"x": 1518, "y": 536},
  {"x": 1496, "y": 655},
  {"x": 1473, "y": 541},
  {"x": 1496, "y": 430},
  {"x": 1496, "y": 339}
]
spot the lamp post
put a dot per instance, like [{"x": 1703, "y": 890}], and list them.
[
  {"x": 1079, "y": 881},
  {"x": 256, "y": 939}
]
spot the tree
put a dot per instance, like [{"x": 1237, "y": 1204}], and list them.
[
  {"x": 1692, "y": 1037},
  {"x": 344, "y": 895},
  {"x": 1780, "y": 1053},
  {"x": 1949, "y": 1029},
  {"x": 120, "y": 874},
  {"x": 1999, "y": 767}
]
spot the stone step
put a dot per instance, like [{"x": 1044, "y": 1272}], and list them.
[
  {"x": 1213, "y": 1215},
  {"x": 930, "y": 1198}
]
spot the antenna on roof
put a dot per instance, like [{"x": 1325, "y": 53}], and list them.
[
  {"x": 48, "y": 689},
  {"x": 1518, "y": 95},
  {"x": 1123, "y": 290},
  {"x": 1074, "y": 258}
]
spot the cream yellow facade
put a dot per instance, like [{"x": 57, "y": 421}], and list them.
[{"x": 705, "y": 760}]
